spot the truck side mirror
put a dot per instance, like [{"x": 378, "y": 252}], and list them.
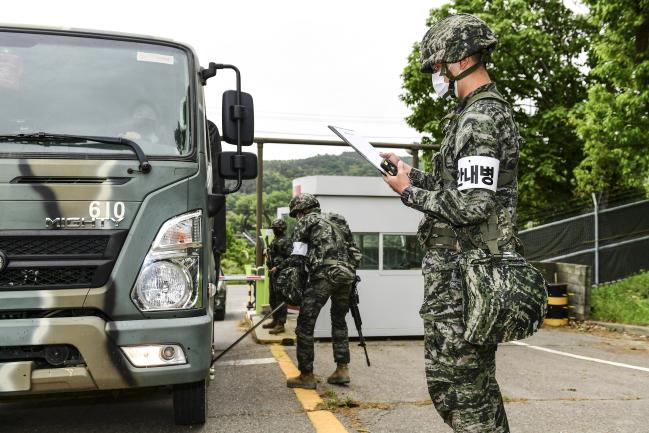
[
  {"x": 231, "y": 162},
  {"x": 232, "y": 111}
]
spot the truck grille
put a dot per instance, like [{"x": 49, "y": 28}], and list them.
[
  {"x": 70, "y": 277},
  {"x": 45, "y": 259},
  {"x": 58, "y": 245}
]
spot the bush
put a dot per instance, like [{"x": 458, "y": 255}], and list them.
[{"x": 626, "y": 301}]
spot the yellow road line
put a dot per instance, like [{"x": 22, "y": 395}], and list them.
[
  {"x": 285, "y": 363},
  {"x": 323, "y": 420}
]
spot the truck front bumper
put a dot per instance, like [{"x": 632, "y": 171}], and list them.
[{"x": 99, "y": 343}]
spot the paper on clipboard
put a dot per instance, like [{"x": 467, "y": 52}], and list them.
[{"x": 360, "y": 145}]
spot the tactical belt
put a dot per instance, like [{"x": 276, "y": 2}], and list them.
[
  {"x": 330, "y": 262},
  {"x": 443, "y": 238}
]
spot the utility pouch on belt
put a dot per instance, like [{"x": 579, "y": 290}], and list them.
[
  {"x": 505, "y": 298},
  {"x": 339, "y": 273}
]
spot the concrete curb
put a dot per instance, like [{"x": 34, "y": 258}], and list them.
[
  {"x": 262, "y": 336},
  {"x": 619, "y": 327}
]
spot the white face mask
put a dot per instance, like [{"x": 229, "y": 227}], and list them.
[{"x": 440, "y": 86}]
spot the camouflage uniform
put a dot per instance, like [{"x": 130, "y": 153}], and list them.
[
  {"x": 461, "y": 376},
  {"x": 279, "y": 251},
  {"x": 319, "y": 237}
]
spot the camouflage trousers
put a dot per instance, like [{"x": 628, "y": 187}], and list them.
[
  {"x": 314, "y": 298},
  {"x": 276, "y": 298},
  {"x": 461, "y": 377}
]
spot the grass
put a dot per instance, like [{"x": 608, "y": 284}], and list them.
[
  {"x": 331, "y": 401},
  {"x": 350, "y": 408},
  {"x": 625, "y": 301}
]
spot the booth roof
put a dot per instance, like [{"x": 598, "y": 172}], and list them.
[{"x": 344, "y": 186}]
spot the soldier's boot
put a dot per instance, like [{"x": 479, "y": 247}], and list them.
[
  {"x": 269, "y": 325},
  {"x": 340, "y": 376},
  {"x": 304, "y": 380},
  {"x": 278, "y": 329}
]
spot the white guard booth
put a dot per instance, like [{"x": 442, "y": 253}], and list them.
[{"x": 392, "y": 286}]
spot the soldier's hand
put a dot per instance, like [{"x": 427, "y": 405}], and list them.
[
  {"x": 395, "y": 160},
  {"x": 399, "y": 182},
  {"x": 273, "y": 270}
]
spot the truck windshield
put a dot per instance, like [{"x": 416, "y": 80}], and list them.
[{"x": 92, "y": 86}]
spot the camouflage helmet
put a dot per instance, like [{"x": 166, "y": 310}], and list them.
[
  {"x": 454, "y": 38},
  {"x": 279, "y": 225},
  {"x": 302, "y": 202}
]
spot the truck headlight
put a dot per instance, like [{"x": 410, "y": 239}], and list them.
[{"x": 170, "y": 275}]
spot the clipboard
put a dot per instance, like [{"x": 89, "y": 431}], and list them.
[{"x": 365, "y": 149}]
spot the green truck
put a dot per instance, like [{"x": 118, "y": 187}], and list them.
[{"x": 112, "y": 212}]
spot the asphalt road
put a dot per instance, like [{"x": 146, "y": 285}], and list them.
[{"x": 564, "y": 381}]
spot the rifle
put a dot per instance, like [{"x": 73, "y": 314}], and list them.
[
  {"x": 269, "y": 259},
  {"x": 356, "y": 314},
  {"x": 216, "y": 358}
]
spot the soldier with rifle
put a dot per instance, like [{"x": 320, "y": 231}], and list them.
[
  {"x": 278, "y": 251},
  {"x": 323, "y": 244}
]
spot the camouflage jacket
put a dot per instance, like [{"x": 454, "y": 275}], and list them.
[
  {"x": 469, "y": 194},
  {"x": 314, "y": 238},
  {"x": 279, "y": 251},
  {"x": 435, "y": 259}
]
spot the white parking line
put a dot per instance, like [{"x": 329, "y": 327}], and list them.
[
  {"x": 253, "y": 361},
  {"x": 583, "y": 358}
]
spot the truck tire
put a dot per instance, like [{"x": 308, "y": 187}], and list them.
[{"x": 190, "y": 403}]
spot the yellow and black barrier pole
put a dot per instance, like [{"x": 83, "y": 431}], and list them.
[{"x": 557, "y": 305}]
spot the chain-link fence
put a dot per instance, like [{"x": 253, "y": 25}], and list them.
[{"x": 613, "y": 241}]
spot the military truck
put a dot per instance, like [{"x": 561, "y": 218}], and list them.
[{"x": 112, "y": 194}]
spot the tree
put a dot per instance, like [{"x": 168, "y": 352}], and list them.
[
  {"x": 614, "y": 121},
  {"x": 238, "y": 253},
  {"x": 536, "y": 66}
]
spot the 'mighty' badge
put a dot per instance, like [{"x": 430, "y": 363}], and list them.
[{"x": 82, "y": 223}]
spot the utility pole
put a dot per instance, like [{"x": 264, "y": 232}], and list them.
[{"x": 259, "y": 256}]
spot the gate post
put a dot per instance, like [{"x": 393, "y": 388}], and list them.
[{"x": 596, "y": 218}]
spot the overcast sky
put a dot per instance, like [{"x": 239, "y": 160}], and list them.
[{"x": 307, "y": 64}]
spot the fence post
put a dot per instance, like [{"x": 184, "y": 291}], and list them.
[{"x": 596, "y": 218}]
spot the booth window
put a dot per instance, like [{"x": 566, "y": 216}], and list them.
[
  {"x": 368, "y": 243},
  {"x": 401, "y": 252}
]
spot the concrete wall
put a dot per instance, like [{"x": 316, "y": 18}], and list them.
[{"x": 578, "y": 279}]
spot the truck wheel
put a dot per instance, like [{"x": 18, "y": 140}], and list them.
[{"x": 190, "y": 403}]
